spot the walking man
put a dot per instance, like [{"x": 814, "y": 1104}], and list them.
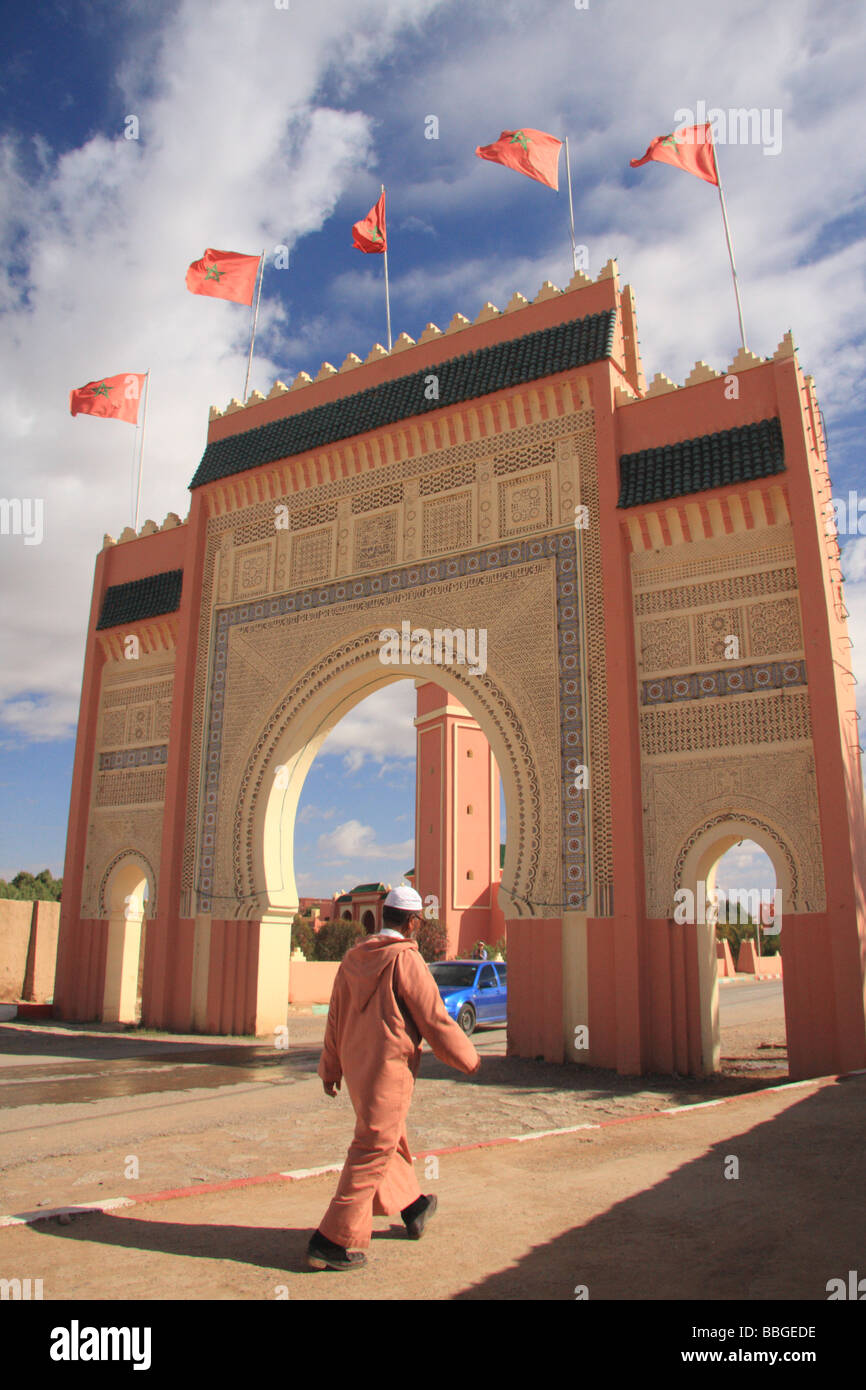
[{"x": 383, "y": 1003}]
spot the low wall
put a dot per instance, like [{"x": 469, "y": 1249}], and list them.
[
  {"x": 725, "y": 960},
  {"x": 28, "y": 950},
  {"x": 750, "y": 963},
  {"x": 311, "y": 981}
]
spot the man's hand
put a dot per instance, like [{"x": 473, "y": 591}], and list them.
[{"x": 331, "y": 1087}]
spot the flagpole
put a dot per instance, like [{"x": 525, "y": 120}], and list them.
[
  {"x": 141, "y": 448},
  {"x": 570, "y": 206},
  {"x": 255, "y": 321},
  {"x": 387, "y": 291},
  {"x": 730, "y": 246}
]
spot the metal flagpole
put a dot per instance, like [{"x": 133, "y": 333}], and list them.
[
  {"x": 141, "y": 448},
  {"x": 730, "y": 247},
  {"x": 255, "y": 321},
  {"x": 570, "y": 205},
  {"x": 387, "y": 291}
]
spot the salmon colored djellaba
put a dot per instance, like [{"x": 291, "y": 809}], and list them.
[{"x": 376, "y": 1046}]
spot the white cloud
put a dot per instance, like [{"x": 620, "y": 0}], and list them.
[
  {"x": 253, "y": 132},
  {"x": 352, "y": 840},
  {"x": 236, "y": 150},
  {"x": 377, "y": 730}
]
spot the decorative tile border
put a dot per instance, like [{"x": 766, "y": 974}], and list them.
[
  {"x": 703, "y": 685},
  {"x": 134, "y": 757},
  {"x": 560, "y": 547}
]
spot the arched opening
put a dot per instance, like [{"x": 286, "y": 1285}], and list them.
[
  {"x": 127, "y": 894},
  {"x": 743, "y": 883},
  {"x": 409, "y": 750},
  {"x": 279, "y": 772},
  {"x": 739, "y": 870}
]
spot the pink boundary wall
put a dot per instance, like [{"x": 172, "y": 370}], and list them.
[
  {"x": 311, "y": 981},
  {"x": 750, "y": 963}
]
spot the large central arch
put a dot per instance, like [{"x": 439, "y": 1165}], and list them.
[{"x": 277, "y": 767}]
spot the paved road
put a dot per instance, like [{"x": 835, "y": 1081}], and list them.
[
  {"x": 77, "y": 1104},
  {"x": 645, "y": 1210},
  {"x": 754, "y": 1002}
]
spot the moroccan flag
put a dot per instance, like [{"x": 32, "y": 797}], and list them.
[
  {"x": 113, "y": 397},
  {"x": 369, "y": 234},
  {"x": 531, "y": 152},
  {"x": 689, "y": 148},
  {"x": 224, "y": 275}
]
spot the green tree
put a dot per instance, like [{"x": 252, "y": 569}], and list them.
[
  {"x": 28, "y": 887},
  {"x": 334, "y": 939},
  {"x": 304, "y": 936}
]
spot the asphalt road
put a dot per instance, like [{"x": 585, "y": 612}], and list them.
[{"x": 78, "y": 1105}]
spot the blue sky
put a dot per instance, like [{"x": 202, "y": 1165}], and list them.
[{"x": 261, "y": 126}]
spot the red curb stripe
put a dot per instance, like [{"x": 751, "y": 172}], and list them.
[
  {"x": 226, "y": 1186},
  {"x": 298, "y": 1175}
]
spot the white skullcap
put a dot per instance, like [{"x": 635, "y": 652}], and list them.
[{"x": 405, "y": 898}]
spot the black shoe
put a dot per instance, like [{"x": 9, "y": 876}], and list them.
[
  {"x": 324, "y": 1254},
  {"x": 417, "y": 1215}
]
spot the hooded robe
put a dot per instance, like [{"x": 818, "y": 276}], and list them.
[{"x": 376, "y": 1046}]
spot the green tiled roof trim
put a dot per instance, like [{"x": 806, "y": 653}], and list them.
[
  {"x": 141, "y": 598},
  {"x": 539, "y": 354},
  {"x": 713, "y": 460}
]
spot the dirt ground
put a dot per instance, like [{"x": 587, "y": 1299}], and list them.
[
  {"x": 759, "y": 1197},
  {"x": 77, "y": 1103}
]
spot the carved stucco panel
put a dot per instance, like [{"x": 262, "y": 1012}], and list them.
[{"x": 774, "y": 789}]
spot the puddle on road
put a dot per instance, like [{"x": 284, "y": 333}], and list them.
[{"x": 73, "y": 1084}]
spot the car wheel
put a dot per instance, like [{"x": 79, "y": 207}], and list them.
[{"x": 466, "y": 1019}]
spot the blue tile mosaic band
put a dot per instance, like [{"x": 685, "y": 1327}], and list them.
[
  {"x": 155, "y": 756},
  {"x": 703, "y": 685},
  {"x": 560, "y": 548}
]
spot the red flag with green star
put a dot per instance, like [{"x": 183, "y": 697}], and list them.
[
  {"x": 113, "y": 397},
  {"x": 369, "y": 234},
  {"x": 224, "y": 275},
  {"x": 531, "y": 152},
  {"x": 689, "y": 148}
]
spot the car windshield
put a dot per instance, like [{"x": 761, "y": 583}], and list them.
[{"x": 453, "y": 975}]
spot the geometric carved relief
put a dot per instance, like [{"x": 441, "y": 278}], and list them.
[
  {"x": 524, "y": 503},
  {"x": 130, "y": 788},
  {"x": 448, "y": 523},
  {"x": 740, "y": 720},
  {"x": 712, "y": 631},
  {"x": 311, "y": 556},
  {"x": 376, "y": 541},
  {"x": 775, "y": 792},
  {"x": 774, "y": 627},
  {"x": 162, "y": 719},
  {"x": 665, "y": 644},
  {"x": 767, "y": 546},
  {"x": 114, "y": 726},
  {"x": 140, "y": 723},
  {"x": 582, "y": 446},
  {"x": 251, "y": 568},
  {"x": 715, "y": 591}
]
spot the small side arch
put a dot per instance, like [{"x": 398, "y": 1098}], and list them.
[
  {"x": 695, "y": 865},
  {"x": 126, "y": 895}
]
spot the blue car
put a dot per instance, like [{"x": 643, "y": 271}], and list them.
[{"x": 473, "y": 991}]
